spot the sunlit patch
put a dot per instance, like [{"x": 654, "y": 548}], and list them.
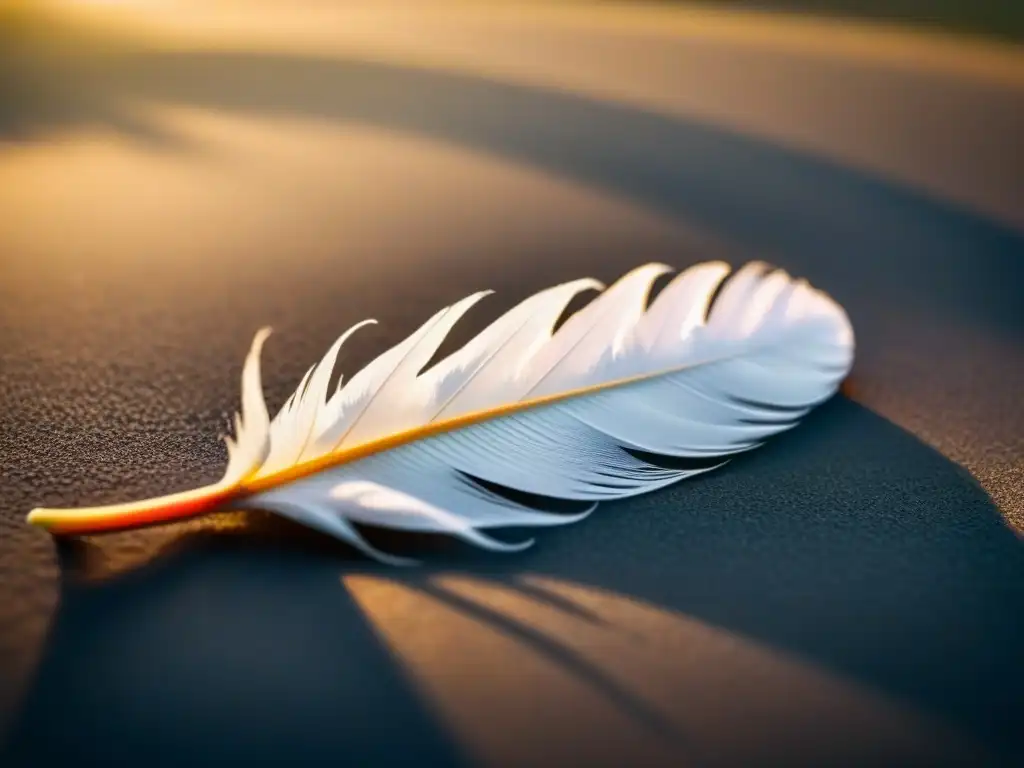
[
  {"x": 561, "y": 661},
  {"x": 130, "y": 3}
]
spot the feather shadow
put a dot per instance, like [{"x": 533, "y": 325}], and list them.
[{"x": 847, "y": 542}]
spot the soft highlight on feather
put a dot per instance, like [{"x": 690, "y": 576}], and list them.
[{"x": 520, "y": 416}]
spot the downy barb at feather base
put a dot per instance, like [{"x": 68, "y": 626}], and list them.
[{"x": 714, "y": 366}]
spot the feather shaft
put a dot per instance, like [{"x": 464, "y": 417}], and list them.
[{"x": 135, "y": 514}]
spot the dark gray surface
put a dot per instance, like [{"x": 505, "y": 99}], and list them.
[{"x": 849, "y": 542}]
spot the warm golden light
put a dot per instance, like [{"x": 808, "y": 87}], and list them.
[{"x": 602, "y": 678}]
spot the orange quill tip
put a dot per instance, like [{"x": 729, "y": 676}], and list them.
[{"x": 136, "y": 514}]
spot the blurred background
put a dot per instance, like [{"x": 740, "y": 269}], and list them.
[
  {"x": 997, "y": 18},
  {"x": 175, "y": 174}
]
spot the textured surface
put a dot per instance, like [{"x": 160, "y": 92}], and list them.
[{"x": 851, "y": 594}]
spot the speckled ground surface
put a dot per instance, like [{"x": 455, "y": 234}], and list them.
[{"x": 851, "y": 594}]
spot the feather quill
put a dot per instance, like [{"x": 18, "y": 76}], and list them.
[{"x": 715, "y": 366}]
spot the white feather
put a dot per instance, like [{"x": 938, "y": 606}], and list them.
[{"x": 675, "y": 379}]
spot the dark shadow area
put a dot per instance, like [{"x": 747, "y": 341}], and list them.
[
  {"x": 225, "y": 652},
  {"x": 846, "y": 542},
  {"x": 52, "y": 74}
]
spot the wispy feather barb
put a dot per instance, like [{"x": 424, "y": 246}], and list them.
[{"x": 565, "y": 415}]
